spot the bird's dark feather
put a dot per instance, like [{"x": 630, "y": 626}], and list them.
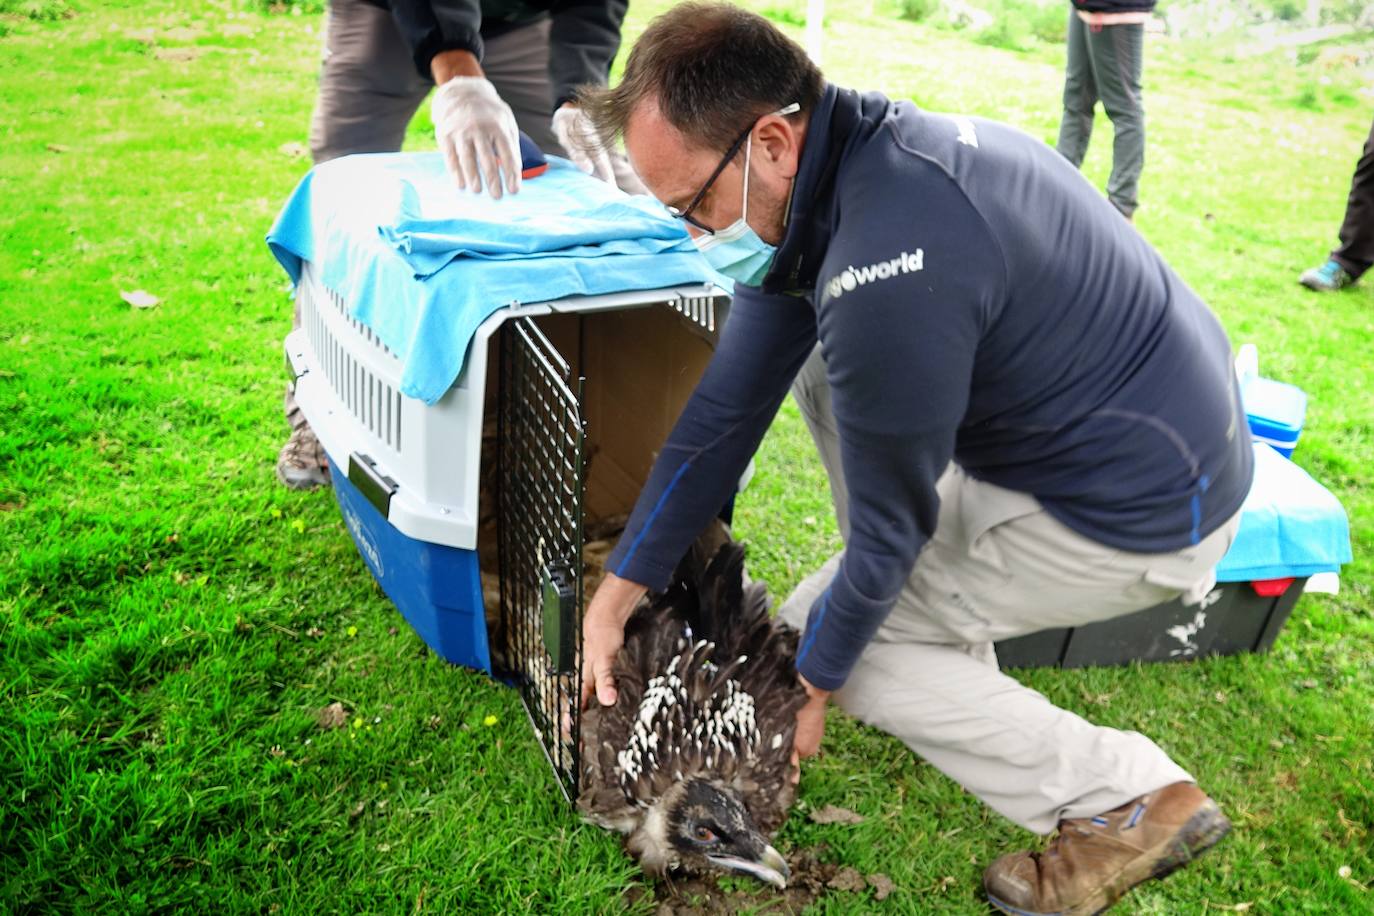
[{"x": 710, "y": 629}]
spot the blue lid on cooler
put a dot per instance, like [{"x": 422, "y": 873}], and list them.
[{"x": 1275, "y": 411}]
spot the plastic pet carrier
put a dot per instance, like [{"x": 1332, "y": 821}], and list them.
[{"x": 485, "y": 516}]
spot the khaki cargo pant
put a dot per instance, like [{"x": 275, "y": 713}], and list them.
[{"x": 1000, "y": 566}]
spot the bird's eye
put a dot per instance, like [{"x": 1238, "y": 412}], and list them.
[{"x": 703, "y": 834}]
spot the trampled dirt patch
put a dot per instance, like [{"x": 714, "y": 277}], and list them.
[{"x": 811, "y": 879}]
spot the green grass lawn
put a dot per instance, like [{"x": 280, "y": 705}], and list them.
[{"x": 171, "y": 619}]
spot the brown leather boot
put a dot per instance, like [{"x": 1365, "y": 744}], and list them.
[{"x": 1094, "y": 861}]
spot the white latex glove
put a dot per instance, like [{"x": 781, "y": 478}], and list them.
[
  {"x": 476, "y": 132},
  {"x": 579, "y": 138}
]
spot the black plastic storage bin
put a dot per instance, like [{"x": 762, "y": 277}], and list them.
[{"x": 1234, "y": 617}]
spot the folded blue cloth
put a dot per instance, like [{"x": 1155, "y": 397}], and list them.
[
  {"x": 564, "y": 215},
  {"x": 423, "y": 264},
  {"x": 1290, "y": 525}
]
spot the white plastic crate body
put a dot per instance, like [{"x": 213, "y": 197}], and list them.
[{"x": 348, "y": 386}]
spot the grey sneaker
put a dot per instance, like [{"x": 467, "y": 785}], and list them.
[
  {"x": 1326, "y": 279},
  {"x": 301, "y": 464}
]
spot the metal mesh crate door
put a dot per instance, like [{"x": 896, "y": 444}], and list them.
[{"x": 540, "y": 435}]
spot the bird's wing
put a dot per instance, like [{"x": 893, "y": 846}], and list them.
[
  {"x": 652, "y": 637},
  {"x": 711, "y": 677},
  {"x": 759, "y": 653}
]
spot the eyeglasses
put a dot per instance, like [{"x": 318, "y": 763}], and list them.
[{"x": 685, "y": 214}]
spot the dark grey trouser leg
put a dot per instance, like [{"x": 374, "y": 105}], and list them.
[
  {"x": 1080, "y": 95},
  {"x": 1118, "y": 58},
  {"x": 1356, "y": 253},
  {"x": 369, "y": 91},
  {"x": 369, "y": 88},
  {"x": 517, "y": 63}
]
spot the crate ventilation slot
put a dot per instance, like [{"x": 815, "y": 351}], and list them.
[
  {"x": 373, "y": 403},
  {"x": 700, "y": 310}
]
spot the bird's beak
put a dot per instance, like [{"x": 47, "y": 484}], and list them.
[{"x": 770, "y": 867}]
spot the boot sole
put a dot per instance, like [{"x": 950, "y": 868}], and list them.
[{"x": 1203, "y": 830}]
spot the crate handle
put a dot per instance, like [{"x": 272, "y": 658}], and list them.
[{"x": 378, "y": 488}]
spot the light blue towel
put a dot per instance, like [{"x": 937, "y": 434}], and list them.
[
  {"x": 423, "y": 264},
  {"x": 1290, "y": 525}
]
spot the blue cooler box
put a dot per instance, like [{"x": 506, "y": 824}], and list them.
[{"x": 1275, "y": 411}]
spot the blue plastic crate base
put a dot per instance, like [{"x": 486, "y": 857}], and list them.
[{"x": 437, "y": 588}]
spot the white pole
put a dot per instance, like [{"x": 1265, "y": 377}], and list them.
[{"x": 815, "y": 16}]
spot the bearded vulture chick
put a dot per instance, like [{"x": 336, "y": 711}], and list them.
[{"x": 693, "y": 762}]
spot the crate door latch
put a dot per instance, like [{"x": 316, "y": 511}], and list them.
[{"x": 560, "y": 615}]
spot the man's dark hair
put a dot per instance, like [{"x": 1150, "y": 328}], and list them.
[{"x": 713, "y": 68}]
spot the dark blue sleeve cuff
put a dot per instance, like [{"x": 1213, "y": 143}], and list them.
[
  {"x": 839, "y": 628},
  {"x": 640, "y": 569}
]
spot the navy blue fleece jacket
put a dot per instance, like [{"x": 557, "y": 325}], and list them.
[
  {"x": 976, "y": 300},
  {"x": 583, "y": 37}
]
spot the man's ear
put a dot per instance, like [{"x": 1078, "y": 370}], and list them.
[{"x": 779, "y": 140}]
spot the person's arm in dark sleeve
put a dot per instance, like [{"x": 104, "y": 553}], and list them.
[
  {"x": 900, "y": 354},
  {"x": 431, "y": 28},
  {"x": 762, "y": 347},
  {"x": 583, "y": 40}
]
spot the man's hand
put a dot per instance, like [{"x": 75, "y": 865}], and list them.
[
  {"x": 476, "y": 132},
  {"x": 579, "y": 139},
  {"x": 810, "y": 724},
  {"x": 603, "y": 633}
]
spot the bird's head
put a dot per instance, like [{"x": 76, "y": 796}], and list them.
[{"x": 703, "y": 827}]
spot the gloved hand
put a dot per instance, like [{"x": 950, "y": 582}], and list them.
[
  {"x": 476, "y": 132},
  {"x": 579, "y": 138}
]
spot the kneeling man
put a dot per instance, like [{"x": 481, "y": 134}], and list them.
[{"x": 1028, "y": 421}]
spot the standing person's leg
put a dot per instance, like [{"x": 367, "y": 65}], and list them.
[
  {"x": 369, "y": 90},
  {"x": 1356, "y": 252},
  {"x": 517, "y": 63},
  {"x": 301, "y": 462},
  {"x": 1080, "y": 95},
  {"x": 1118, "y": 59},
  {"x": 369, "y": 87}
]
